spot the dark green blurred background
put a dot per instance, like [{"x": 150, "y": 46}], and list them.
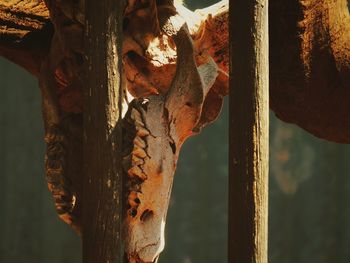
[{"x": 309, "y": 189}]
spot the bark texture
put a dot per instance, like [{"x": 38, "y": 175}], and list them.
[
  {"x": 18, "y": 18},
  {"x": 249, "y": 129},
  {"x": 25, "y": 33},
  {"x": 102, "y": 143}
]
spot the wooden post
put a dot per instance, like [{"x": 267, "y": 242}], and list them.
[
  {"x": 249, "y": 109},
  {"x": 102, "y": 201}
]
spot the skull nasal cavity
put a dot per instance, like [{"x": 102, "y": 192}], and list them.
[{"x": 146, "y": 215}]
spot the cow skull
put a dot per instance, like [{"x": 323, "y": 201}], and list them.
[
  {"x": 173, "y": 88},
  {"x": 160, "y": 120}
]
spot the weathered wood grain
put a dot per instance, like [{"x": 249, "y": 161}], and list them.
[
  {"x": 249, "y": 132},
  {"x": 102, "y": 142}
]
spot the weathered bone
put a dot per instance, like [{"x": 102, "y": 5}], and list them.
[
  {"x": 174, "y": 86},
  {"x": 160, "y": 125},
  {"x": 56, "y": 152},
  {"x": 62, "y": 129}
]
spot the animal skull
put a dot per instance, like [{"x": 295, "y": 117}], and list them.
[
  {"x": 167, "y": 110},
  {"x": 174, "y": 88}
]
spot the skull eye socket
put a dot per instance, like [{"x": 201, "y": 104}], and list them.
[
  {"x": 133, "y": 212},
  {"x": 146, "y": 215}
]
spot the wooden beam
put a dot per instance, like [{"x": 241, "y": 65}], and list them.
[
  {"x": 249, "y": 122},
  {"x": 102, "y": 203}
]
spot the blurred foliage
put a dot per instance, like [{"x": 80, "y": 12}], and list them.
[
  {"x": 30, "y": 229},
  {"x": 197, "y": 220},
  {"x": 309, "y": 187}
]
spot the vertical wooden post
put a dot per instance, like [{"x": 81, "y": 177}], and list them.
[
  {"x": 102, "y": 203},
  {"x": 249, "y": 122}
]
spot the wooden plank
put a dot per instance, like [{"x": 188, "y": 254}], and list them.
[
  {"x": 249, "y": 122},
  {"x": 102, "y": 209}
]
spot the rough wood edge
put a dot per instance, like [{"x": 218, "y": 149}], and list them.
[
  {"x": 248, "y": 135},
  {"x": 103, "y": 183}
]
